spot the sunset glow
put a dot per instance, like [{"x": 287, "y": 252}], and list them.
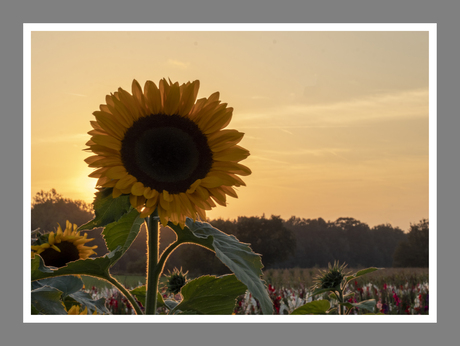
[{"x": 337, "y": 122}]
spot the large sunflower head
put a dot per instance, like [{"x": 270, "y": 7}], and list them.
[
  {"x": 63, "y": 247},
  {"x": 167, "y": 150}
]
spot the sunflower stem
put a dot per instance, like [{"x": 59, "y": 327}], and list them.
[{"x": 153, "y": 270}]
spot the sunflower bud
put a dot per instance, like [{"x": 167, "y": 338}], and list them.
[
  {"x": 175, "y": 281},
  {"x": 331, "y": 278}
]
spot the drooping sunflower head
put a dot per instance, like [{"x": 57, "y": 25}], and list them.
[
  {"x": 63, "y": 247},
  {"x": 331, "y": 278},
  {"x": 167, "y": 150}
]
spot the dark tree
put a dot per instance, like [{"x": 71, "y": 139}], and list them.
[
  {"x": 413, "y": 252},
  {"x": 268, "y": 237}
]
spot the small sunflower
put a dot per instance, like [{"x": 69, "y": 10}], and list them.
[
  {"x": 167, "y": 151},
  {"x": 175, "y": 281},
  {"x": 75, "y": 310},
  {"x": 64, "y": 247},
  {"x": 331, "y": 278}
]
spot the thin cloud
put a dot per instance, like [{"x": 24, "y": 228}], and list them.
[
  {"x": 178, "y": 63},
  {"x": 356, "y": 112}
]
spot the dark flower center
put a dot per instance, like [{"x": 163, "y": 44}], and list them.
[
  {"x": 166, "y": 152},
  {"x": 69, "y": 253}
]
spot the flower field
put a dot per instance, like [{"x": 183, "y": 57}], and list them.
[{"x": 397, "y": 291}]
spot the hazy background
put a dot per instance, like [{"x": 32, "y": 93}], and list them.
[{"x": 336, "y": 122}]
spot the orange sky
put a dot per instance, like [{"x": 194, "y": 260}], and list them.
[{"x": 336, "y": 122}]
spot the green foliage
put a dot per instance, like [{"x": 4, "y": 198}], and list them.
[
  {"x": 122, "y": 233},
  {"x": 238, "y": 257},
  {"x": 107, "y": 209},
  {"x": 50, "y": 296},
  {"x": 140, "y": 293},
  {"x": 413, "y": 251},
  {"x": 47, "y": 301},
  {"x": 316, "y": 307},
  {"x": 210, "y": 295},
  {"x": 66, "y": 284}
]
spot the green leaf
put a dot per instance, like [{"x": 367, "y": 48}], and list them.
[
  {"x": 366, "y": 304},
  {"x": 85, "y": 299},
  {"x": 97, "y": 267},
  {"x": 107, "y": 209},
  {"x": 210, "y": 295},
  {"x": 333, "y": 296},
  {"x": 361, "y": 273},
  {"x": 321, "y": 290},
  {"x": 123, "y": 232},
  {"x": 47, "y": 301},
  {"x": 140, "y": 293},
  {"x": 239, "y": 257},
  {"x": 365, "y": 271},
  {"x": 66, "y": 284},
  {"x": 316, "y": 307},
  {"x": 171, "y": 303}
]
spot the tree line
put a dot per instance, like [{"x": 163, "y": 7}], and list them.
[{"x": 296, "y": 242}]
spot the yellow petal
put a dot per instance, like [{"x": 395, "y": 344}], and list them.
[
  {"x": 125, "y": 183},
  {"x": 162, "y": 213},
  {"x": 219, "y": 196},
  {"x": 98, "y": 172},
  {"x": 133, "y": 201},
  {"x": 117, "y": 172},
  {"x": 109, "y": 124},
  {"x": 153, "y": 97},
  {"x": 51, "y": 238},
  {"x": 55, "y": 248},
  {"x": 107, "y": 141},
  {"x": 150, "y": 193},
  {"x": 229, "y": 191},
  {"x": 235, "y": 153},
  {"x": 167, "y": 196},
  {"x": 189, "y": 93},
  {"x": 171, "y": 102},
  {"x": 219, "y": 121},
  {"x": 231, "y": 167},
  {"x": 193, "y": 187},
  {"x": 137, "y": 189},
  {"x": 152, "y": 202}
]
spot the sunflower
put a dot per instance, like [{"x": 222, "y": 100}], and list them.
[
  {"x": 64, "y": 247},
  {"x": 332, "y": 277},
  {"x": 75, "y": 310},
  {"x": 168, "y": 152}
]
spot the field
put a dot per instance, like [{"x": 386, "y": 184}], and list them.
[
  {"x": 295, "y": 277},
  {"x": 396, "y": 291}
]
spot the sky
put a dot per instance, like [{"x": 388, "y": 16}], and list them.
[{"x": 337, "y": 122}]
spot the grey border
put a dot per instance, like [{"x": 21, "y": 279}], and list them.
[{"x": 443, "y": 12}]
